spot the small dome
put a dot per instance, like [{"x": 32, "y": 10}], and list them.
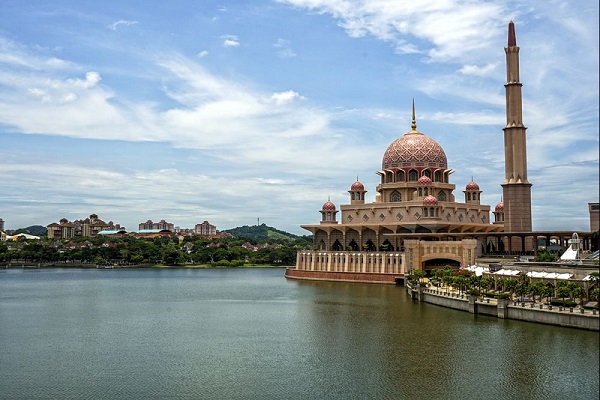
[
  {"x": 472, "y": 186},
  {"x": 499, "y": 207},
  {"x": 430, "y": 201},
  {"x": 357, "y": 186},
  {"x": 424, "y": 180},
  {"x": 328, "y": 206}
]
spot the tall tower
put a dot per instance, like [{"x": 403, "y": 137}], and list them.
[{"x": 516, "y": 188}]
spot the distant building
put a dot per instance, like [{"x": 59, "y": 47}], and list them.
[
  {"x": 594, "y": 216},
  {"x": 162, "y": 225},
  {"x": 205, "y": 229},
  {"x": 1, "y": 224},
  {"x": 90, "y": 226}
]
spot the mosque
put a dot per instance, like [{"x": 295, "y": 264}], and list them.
[{"x": 416, "y": 222}]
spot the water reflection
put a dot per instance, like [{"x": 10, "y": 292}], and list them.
[{"x": 252, "y": 334}]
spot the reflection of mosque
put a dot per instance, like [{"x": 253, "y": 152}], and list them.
[{"x": 415, "y": 221}]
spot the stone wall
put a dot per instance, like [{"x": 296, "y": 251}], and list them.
[{"x": 389, "y": 279}]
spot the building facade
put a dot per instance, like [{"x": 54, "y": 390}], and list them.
[
  {"x": 162, "y": 225},
  {"x": 594, "y": 216},
  {"x": 87, "y": 227},
  {"x": 416, "y": 222},
  {"x": 205, "y": 229}
]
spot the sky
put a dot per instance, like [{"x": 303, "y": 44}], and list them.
[{"x": 246, "y": 112}]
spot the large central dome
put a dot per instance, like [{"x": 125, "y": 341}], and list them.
[{"x": 414, "y": 149}]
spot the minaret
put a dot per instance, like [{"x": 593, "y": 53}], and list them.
[{"x": 516, "y": 187}]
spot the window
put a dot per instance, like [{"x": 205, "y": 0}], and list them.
[
  {"x": 427, "y": 173},
  {"x": 425, "y": 213},
  {"x": 438, "y": 176},
  {"x": 401, "y": 177},
  {"x": 395, "y": 196},
  {"x": 413, "y": 175},
  {"x": 441, "y": 195}
]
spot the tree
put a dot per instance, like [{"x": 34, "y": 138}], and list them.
[
  {"x": 536, "y": 289},
  {"x": 521, "y": 288},
  {"x": 595, "y": 294},
  {"x": 562, "y": 290},
  {"x": 486, "y": 283},
  {"x": 579, "y": 292},
  {"x": 501, "y": 284},
  {"x": 548, "y": 292},
  {"x": 419, "y": 274}
]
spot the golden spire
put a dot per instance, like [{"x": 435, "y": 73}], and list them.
[{"x": 413, "y": 125}]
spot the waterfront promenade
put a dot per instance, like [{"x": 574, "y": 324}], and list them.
[{"x": 573, "y": 317}]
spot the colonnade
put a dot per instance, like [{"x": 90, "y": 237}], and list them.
[{"x": 338, "y": 261}]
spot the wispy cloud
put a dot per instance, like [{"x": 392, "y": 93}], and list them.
[
  {"x": 284, "y": 48},
  {"x": 122, "y": 22},
  {"x": 230, "y": 41}
]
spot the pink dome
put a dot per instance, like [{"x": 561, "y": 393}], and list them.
[
  {"x": 472, "y": 186},
  {"x": 414, "y": 149},
  {"x": 328, "y": 206},
  {"x": 424, "y": 180},
  {"x": 357, "y": 186},
  {"x": 499, "y": 207},
  {"x": 430, "y": 201}
]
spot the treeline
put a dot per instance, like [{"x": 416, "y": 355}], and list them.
[{"x": 127, "y": 250}]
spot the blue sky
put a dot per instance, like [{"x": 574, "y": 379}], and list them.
[{"x": 229, "y": 111}]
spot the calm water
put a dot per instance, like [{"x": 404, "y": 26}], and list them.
[{"x": 252, "y": 334}]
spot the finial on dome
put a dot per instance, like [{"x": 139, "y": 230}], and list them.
[
  {"x": 512, "y": 37},
  {"x": 414, "y": 119}
]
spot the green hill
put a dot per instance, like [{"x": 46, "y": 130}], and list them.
[
  {"x": 36, "y": 230},
  {"x": 260, "y": 232}
]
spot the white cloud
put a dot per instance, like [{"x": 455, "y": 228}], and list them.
[
  {"x": 477, "y": 70},
  {"x": 230, "y": 41},
  {"x": 202, "y": 54},
  {"x": 285, "y": 97},
  {"x": 122, "y": 22},
  {"x": 444, "y": 30}
]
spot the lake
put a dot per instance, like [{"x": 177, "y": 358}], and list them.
[{"x": 249, "y": 333}]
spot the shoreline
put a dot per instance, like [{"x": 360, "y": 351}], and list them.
[
  {"x": 571, "y": 317},
  {"x": 136, "y": 266}
]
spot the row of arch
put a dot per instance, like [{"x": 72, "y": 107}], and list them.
[{"x": 413, "y": 175}]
